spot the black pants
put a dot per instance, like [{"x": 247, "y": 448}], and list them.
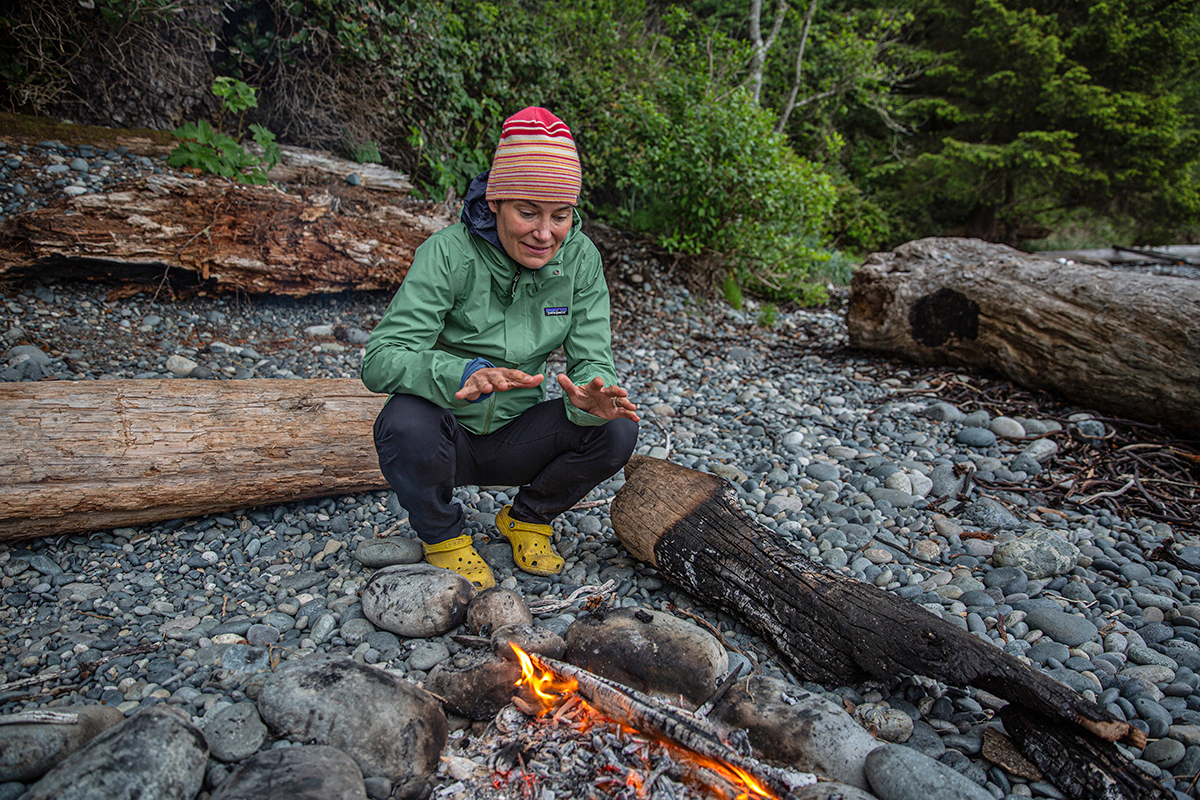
[{"x": 424, "y": 454}]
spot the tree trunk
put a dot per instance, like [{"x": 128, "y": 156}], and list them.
[
  {"x": 90, "y": 455},
  {"x": 214, "y": 236},
  {"x": 1120, "y": 342},
  {"x": 828, "y": 627}
]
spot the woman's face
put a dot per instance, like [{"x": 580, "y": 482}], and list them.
[{"x": 531, "y": 231}]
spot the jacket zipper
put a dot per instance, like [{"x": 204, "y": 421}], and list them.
[{"x": 512, "y": 293}]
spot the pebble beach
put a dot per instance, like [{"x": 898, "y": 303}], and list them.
[{"x": 846, "y": 455}]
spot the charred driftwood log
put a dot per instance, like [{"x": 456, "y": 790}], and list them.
[
  {"x": 214, "y": 236},
  {"x": 827, "y": 626},
  {"x": 89, "y": 455},
  {"x": 1082, "y": 766},
  {"x": 1118, "y": 341}
]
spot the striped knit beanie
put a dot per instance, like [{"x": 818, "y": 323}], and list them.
[{"x": 536, "y": 160}]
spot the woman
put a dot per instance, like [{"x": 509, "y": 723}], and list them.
[{"x": 462, "y": 350}]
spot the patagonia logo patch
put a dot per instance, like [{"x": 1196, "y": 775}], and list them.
[{"x": 556, "y": 311}]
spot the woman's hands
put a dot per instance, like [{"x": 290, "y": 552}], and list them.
[
  {"x": 606, "y": 402},
  {"x": 496, "y": 379}
]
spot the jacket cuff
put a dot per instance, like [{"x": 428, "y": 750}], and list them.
[{"x": 473, "y": 366}]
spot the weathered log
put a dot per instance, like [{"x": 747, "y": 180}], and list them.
[
  {"x": 90, "y": 455},
  {"x": 828, "y": 627},
  {"x": 1082, "y": 766},
  {"x": 213, "y": 236},
  {"x": 1121, "y": 342},
  {"x": 299, "y": 165}
]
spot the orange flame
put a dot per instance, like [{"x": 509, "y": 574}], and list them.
[{"x": 548, "y": 688}]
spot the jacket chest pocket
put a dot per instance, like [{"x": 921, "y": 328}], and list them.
[{"x": 536, "y": 329}]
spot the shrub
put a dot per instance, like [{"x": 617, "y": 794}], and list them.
[
  {"x": 705, "y": 171},
  {"x": 208, "y": 149}
]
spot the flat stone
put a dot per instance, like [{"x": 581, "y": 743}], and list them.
[
  {"x": 417, "y": 600},
  {"x": 29, "y": 750},
  {"x": 386, "y": 552},
  {"x": 310, "y": 772},
  {"x": 1062, "y": 627},
  {"x": 648, "y": 650},
  {"x": 155, "y": 753},
  {"x": 805, "y": 731},
  {"x": 235, "y": 732},
  {"x": 344, "y": 704},
  {"x": 901, "y": 773},
  {"x": 1040, "y": 553}
]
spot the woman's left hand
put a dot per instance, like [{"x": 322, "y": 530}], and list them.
[{"x": 606, "y": 402}]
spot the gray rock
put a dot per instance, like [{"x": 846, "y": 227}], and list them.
[
  {"x": 243, "y": 658},
  {"x": 977, "y": 419},
  {"x": 945, "y": 482},
  {"x": 155, "y": 753},
  {"x": 1007, "y": 426},
  {"x": 943, "y": 412},
  {"x": 260, "y": 635},
  {"x": 180, "y": 366},
  {"x": 417, "y": 600},
  {"x": 987, "y": 513},
  {"x": 650, "y": 651},
  {"x": 388, "y": 552},
  {"x": 1062, "y": 627},
  {"x": 822, "y": 471},
  {"x": 356, "y": 630},
  {"x": 1041, "y": 450},
  {"x": 496, "y": 607},
  {"x": 389, "y": 726},
  {"x": 529, "y": 638},
  {"x": 313, "y": 772},
  {"x": 234, "y": 732},
  {"x": 478, "y": 689},
  {"x": 323, "y": 628},
  {"x": 1040, "y": 553},
  {"x": 27, "y": 352},
  {"x": 1164, "y": 753},
  {"x": 426, "y": 655},
  {"x": 831, "y": 790},
  {"x": 804, "y": 731},
  {"x": 29, "y": 750},
  {"x": 886, "y": 723},
  {"x": 901, "y": 773}
]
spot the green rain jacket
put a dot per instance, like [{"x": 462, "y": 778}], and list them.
[{"x": 464, "y": 298}]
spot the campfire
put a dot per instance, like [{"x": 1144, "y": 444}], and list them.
[{"x": 685, "y": 743}]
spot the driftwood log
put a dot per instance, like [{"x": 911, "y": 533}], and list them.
[
  {"x": 214, "y": 236},
  {"x": 1082, "y": 766},
  {"x": 828, "y": 627},
  {"x": 90, "y": 455},
  {"x": 1117, "y": 341}
]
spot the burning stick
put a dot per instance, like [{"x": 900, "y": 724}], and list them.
[{"x": 551, "y": 680}]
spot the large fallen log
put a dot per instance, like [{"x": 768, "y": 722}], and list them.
[
  {"x": 214, "y": 236},
  {"x": 828, "y": 627},
  {"x": 90, "y": 455},
  {"x": 1117, "y": 341}
]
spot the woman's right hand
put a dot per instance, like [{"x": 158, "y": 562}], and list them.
[{"x": 496, "y": 379}]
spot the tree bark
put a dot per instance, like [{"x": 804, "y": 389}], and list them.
[
  {"x": 827, "y": 627},
  {"x": 90, "y": 455},
  {"x": 213, "y": 236},
  {"x": 1118, "y": 341},
  {"x": 1080, "y": 765}
]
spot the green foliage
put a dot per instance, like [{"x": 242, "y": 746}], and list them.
[
  {"x": 698, "y": 164},
  {"x": 206, "y": 148},
  {"x": 1034, "y": 108},
  {"x": 768, "y": 315},
  {"x": 732, "y": 292},
  {"x": 366, "y": 153}
]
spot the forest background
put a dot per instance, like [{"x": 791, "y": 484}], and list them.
[{"x": 771, "y": 143}]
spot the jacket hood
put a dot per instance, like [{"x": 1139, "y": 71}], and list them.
[{"x": 478, "y": 218}]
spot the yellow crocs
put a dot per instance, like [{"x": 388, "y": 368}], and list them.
[
  {"x": 459, "y": 555},
  {"x": 530, "y": 543}
]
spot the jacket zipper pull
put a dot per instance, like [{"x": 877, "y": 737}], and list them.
[{"x": 513, "y": 291}]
